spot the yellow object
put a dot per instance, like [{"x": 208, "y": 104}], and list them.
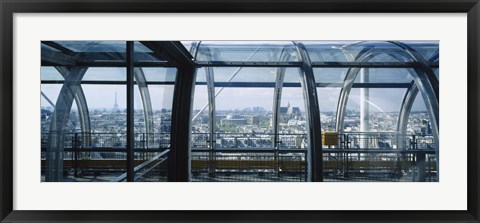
[{"x": 330, "y": 138}]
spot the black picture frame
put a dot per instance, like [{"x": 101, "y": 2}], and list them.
[{"x": 9, "y": 7}]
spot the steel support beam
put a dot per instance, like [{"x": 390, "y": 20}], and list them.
[
  {"x": 130, "y": 113},
  {"x": 58, "y": 46},
  {"x": 141, "y": 83},
  {"x": 364, "y": 106},
  {"x": 60, "y": 117},
  {"x": 246, "y": 64},
  {"x": 55, "y": 58},
  {"x": 277, "y": 99},
  {"x": 179, "y": 155},
  {"x": 211, "y": 113},
  {"x": 82, "y": 106},
  {"x": 428, "y": 86},
  {"x": 405, "y": 110},
  {"x": 315, "y": 155},
  {"x": 366, "y": 64}
]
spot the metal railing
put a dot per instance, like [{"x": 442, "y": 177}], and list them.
[
  {"x": 146, "y": 167},
  {"x": 109, "y": 140},
  {"x": 249, "y": 140},
  {"x": 248, "y": 165},
  {"x": 356, "y": 156}
]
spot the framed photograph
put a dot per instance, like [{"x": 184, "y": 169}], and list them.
[{"x": 200, "y": 111}]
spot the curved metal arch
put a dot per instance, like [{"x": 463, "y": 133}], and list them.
[
  {"x": 80, "y": 100},
  {"x": 277, "y": 97},
  {"x": 428, "y": 86},
  {"x": 405, "y": 110},
  {"x": 348, "y": 82},
  {"x": 146, "y": 102},
  {"x": 211, "y": 104},
  {"x": 60, "y": 117},
  {"x": 425, "y": 80},
  {"x": 315, "y": 155}
]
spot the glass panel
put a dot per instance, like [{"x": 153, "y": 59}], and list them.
[
  {"x": 107, "y": 106},
  {"x": 161, "y": 74},
  {"x": 143, "y": 53},
  {"x": 50, "y": 74},
  {"x": 428, "y": 49},
  {"x": 330, "y": 75},
  {"x": 233, "y": 117},
  {"x": 272, "y": 51},
  {"x": 152, "y": 128},
  {"x": 140, "y": 48},
  {"x": 328, "y": 100},
  {"x": 47, "y": 104},
  {"x": 385, "y": 75},
  {"x": 419, "y": 120},
  {"x": 245, "y": 74},
  {"x": 292, "y": 121},
  {"x": 200, "y": 114},
  {"x": 105, "y": 74},
  {"x": 382, "y": 109},
  {"x": 328, "y": 51},
  {"x": 243, "y": 137},
  {"x": 94, "y": 46},
  {"x": 345, "y": 51}
]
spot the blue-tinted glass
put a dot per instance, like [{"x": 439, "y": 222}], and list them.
[{"x": 272, "y": 51}]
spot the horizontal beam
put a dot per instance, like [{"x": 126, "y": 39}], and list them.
[
  {"x": 103, "y": 63},
  {"x": 55, "y": 58},
  {"x": 332, "y": 85},
  {"x": 242, "y": 84},
  {"x": 109, "y": 149},
  {"x": 58, "y": 46},
  {"x": 121, "y": 63},
  {"x": 249, "y": 150},
  {"x": 103, "y": 82},
  {"x": 246, "y": 64},
  {"x": 366, "y": 64}
]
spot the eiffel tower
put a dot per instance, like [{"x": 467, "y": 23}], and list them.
[{"x": 115, "y": 106}]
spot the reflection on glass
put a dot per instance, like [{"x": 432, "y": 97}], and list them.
[
  {"x": 243, "y": 51},
  {"x": 380, "y": 113}
]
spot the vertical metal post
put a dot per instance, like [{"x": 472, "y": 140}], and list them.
[
  {"x": 130, "y": 113},
  {"x": 364, "y": 108},
  {"x": 421, "y": 166},
  {"x": 212, "y": 119},
  {"x": 179, "y": 155},
  {"x": 75, "y": 155},
  {"x": 315, "y": 131}
]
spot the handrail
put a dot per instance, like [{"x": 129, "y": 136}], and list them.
[{"x": 143, "y": 165}]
